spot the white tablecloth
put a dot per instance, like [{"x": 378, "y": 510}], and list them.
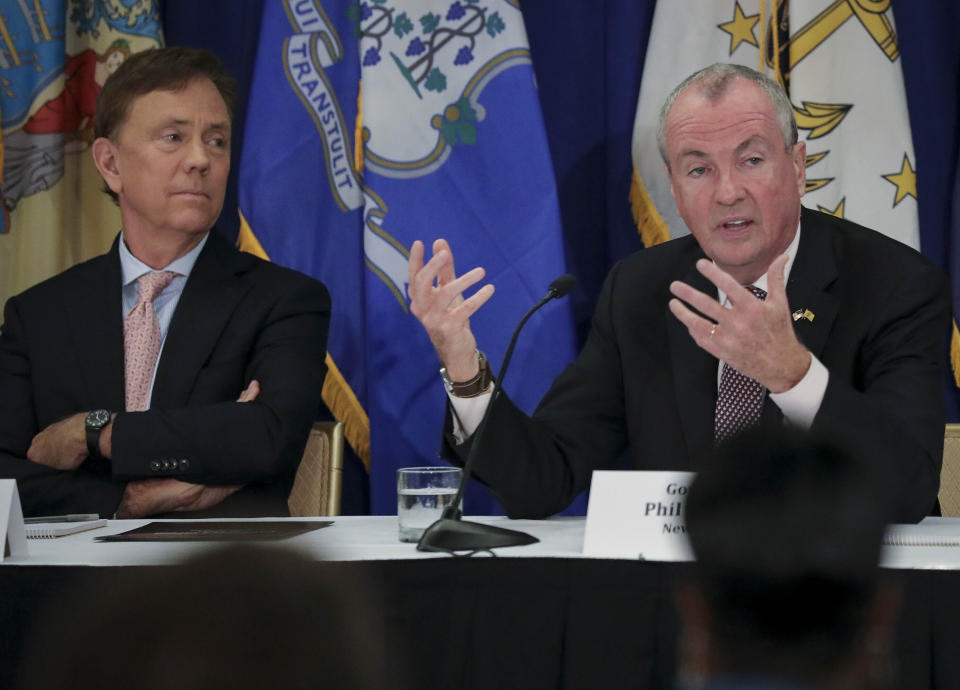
[
  {"x": 360, "y": 538},
  {"x": 349, "y": 538}
]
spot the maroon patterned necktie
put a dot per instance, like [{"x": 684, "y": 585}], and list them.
[{"x": 739, "y": 398}]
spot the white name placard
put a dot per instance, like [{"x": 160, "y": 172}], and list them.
[
  {"x": 11, "y": 521},
  {"x": 638, "y": 515}
]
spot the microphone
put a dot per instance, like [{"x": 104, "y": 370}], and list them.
[
  {"x": 450, "y": 532},
  {"x": 561, "y": 286}
]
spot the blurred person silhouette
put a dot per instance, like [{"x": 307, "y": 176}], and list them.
[
  {"x": 239, "y": 617},
  {"x": 786, "y": 592}
]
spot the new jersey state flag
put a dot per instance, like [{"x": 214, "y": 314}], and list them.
[
  {"x": 55, "y": 55},
  {"x": 371, "y": 125},
  {"x": 839, "y": 63}
]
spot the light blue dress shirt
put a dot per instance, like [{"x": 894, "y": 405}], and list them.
[{"x": 165, "y": 303}]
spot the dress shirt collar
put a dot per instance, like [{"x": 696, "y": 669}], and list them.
[
  {"x": 761, "y": 282},
  {"x": 132, "y": 268}
]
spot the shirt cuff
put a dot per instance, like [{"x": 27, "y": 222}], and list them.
[
  {"x": 801, "y": 403},
  {"x": 467, "y": 413}
]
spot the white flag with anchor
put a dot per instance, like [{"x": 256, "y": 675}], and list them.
[{"x": 839, "y": 62}]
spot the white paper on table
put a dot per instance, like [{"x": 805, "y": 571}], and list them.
[
  {"x": 11, "y": 521},
  {"x": 638, "y": 515}
]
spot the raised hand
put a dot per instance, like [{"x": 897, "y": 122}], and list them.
[
  {"x": 436, "y": 299},
  {"x": 753, "y": 336}
]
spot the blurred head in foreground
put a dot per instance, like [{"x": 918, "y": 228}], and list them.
[
  {"x": 786, "y": 531},
  {"x": 240, "y": 617}
]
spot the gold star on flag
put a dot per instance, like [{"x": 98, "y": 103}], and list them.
[
  {"x": 740, "y": 28},
  {"x": 837, "y": 212},
  {"x": 905, "y": 180}
]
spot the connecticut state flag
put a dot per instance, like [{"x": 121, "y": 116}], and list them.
[{"x": 371, "y": 125}]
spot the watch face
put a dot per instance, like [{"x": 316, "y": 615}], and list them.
[{"x": 98, "y": 419}]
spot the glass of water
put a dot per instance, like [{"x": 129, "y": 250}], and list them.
[{"x": 422, "y": 495}]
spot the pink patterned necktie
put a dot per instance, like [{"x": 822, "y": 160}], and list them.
[
  {"x": 739, "y": 398},
  {"x": 141, "y": 340}
]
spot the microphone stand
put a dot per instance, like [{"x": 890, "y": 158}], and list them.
[{"x": 451, "y": 532}]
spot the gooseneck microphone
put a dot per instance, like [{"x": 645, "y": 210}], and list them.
[
  {"x": 450, "y": 532},
  {"x": 558, "y": 288}
]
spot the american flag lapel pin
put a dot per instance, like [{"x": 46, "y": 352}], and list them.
[{"x": 803, "y": 314}]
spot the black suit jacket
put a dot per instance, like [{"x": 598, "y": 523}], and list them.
[
  {"x": 238, "y": 318},
  {"x": 880, "y": 326}
]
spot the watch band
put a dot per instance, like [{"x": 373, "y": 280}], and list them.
[
  {"x": 93, "y": 442},
  {"x": 94, "y": 424},
  {"x": 475, "y": 386}
]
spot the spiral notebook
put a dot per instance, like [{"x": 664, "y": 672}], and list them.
[{"x": 52, "y": 530}]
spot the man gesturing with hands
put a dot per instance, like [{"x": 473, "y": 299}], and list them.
[{"x": 767, "y": 314}]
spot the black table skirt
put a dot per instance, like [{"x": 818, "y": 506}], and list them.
[{"x": 533, "y": 623}]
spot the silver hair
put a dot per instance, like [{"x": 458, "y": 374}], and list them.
[{"x": 714, "y": 82}]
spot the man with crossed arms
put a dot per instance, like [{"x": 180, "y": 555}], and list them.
[
  {"x": 848, "y": 339},
  {"x": 173, "y": 374}
]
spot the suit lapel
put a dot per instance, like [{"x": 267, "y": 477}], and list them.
[
  {"x": 208, "y": 301},
  {"x": 95, "y": 325},
  {"x": 694, "y": 377},
  {"x": 813, "y": 271}
]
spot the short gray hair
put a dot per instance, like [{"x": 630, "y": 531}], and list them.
[{"x": 714, "y": 82}]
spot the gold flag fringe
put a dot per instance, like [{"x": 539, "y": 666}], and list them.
[
  {"x": 337, "y": 394},
  {"x": 344, "y": 405},
  {"x": 653, "y": 230},
  {"x": 955, "y": 354},
  {"x": 247, "y": 241}
]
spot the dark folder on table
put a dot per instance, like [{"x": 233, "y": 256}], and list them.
[{"x": 217, "y": 531}]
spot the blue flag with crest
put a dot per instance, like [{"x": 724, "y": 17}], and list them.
[{"x": 374, "y": 124}]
